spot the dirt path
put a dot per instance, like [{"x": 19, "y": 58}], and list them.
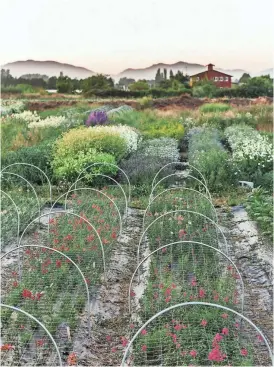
[
  {"x": 254, "y": 260},
  {"x": 110, "y": 318}
]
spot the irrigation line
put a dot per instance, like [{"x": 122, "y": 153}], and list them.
[
  {"x": 40, "y": 324},
  {"x": 196, "y": 303},
  {"x": 185, "y": 242}
]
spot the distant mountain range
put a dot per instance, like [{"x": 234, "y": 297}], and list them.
[
  {"x": 53, "y": 68},
  {"x": 49, "y": 68}
]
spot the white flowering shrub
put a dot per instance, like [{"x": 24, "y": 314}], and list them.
[
  {"x": 9, "y": 106},
  {"x": 251, "y": 152},
  {"x": 129, "y": 134},
  {"x": 27, "y": 116},
  {"x": 51, "y": 121},
  {"x": 162, "y": 148}
]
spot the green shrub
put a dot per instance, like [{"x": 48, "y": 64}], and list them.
[
  {"x": 146, "y": 102},
  {"x": 38, "y": 155},
  {"x": 214, "y": 107},
  {"x": 81, "y": 147},
  {"x": 260, "y": 207},
  {"x": 207, "y": 154}
]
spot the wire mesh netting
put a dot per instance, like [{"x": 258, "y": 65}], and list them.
[
  {"x": 197, "y": 334},
  {"x": 48, "y": 285},
  {"x": 184, "y": 271},
  {"x": 25, "y": 341}
]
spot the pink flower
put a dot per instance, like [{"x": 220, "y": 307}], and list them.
[
  {"x": 132, "y": 293},
  {"x": 217, "y": 338},
  {"x": 164, "y": 250},
  {"x": 216, "y": 355},
  {"x": 226, "y": 299},
  {"x": 260, "y": 338},
  {"x": 203, "y": 323},
  {"x": 244, "y": 352},
  {"x": 193, "y": 282},
  {"x": 132, "y": 326},
  {"x": 236, "y": 325},
  {"x": 225, "y": 331},
  {"x": 144, "y": 332},
  {"x": 178, "y": 327},
  {"x": 201, "y": 293},
  {"x": 124, "y": 341},
  {"x": 168, "y": 292},
  {"x": 182, "y": 233},
  {"x": 144, "y": 348},
  {"x": 108, "y": 338},
  {"x": 224, "y": 315},
  {"x": 168, "y": 299},
  {"x": 193, "y": 353},
  {"x": 113, "y": 350}
]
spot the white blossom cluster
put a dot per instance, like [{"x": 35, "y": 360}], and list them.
[
  {"x": 247, "y": 143},
  {"x": 9, "y": 106},
  {"x": 51, "y": 121},
  {"x": 130, "y": 135},
  {"x": 162, "y": 148},
  {"x": 27, "y": 116}
]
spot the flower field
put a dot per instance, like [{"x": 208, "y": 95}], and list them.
[{"x": 72, "y": 179}]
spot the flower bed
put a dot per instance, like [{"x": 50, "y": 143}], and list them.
[{"x": 251, "y": 152}]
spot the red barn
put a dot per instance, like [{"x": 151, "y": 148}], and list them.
[{"x": 220, "y": 79}]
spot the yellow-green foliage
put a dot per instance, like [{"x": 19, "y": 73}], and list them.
[
  {"x": 151, "y": 125},
  {"x": 83, "y": 139},
  {"x": 83, "y": 146}
]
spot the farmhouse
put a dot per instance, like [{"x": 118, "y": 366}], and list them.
[{"x": 220, "y": 79}]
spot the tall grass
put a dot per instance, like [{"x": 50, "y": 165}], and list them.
[
  {"x": 151, "y": 125},
  {"x": 214, "y": 107}
]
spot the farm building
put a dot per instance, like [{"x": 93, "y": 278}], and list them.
[{"x": 221, "y": 80}]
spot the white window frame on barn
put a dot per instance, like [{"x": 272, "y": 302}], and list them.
[
  {"x": 216, "y": 78},
  {"x": 197, "y": 78},
  {"x": 226, "y": 78},
  {"x": 221, "y": 79}
]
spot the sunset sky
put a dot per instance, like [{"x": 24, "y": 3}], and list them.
[{"x": 111, "y": 35}]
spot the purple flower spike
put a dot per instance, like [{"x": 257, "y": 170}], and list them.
[{"x": 97, "y": 118}]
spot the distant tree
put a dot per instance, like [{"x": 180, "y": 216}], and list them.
[
  {"x": 52, "y": 82},
  {"x": 125, "y": 82},
  {"x": 204, "y": 88},
  {"x": 159, "y": 77},
  {"x": 171, "y": 75},
  {"x": 64, "y": 84},
  {"x": 244, "y": 78},
  {"x": 139, "y": 85},
  {"x": 97, "y": 82},
  {"x": 165, "y": 74},
  {"x": 181, "y": 77}
]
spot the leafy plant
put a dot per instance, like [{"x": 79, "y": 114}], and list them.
[{"x": 260, "y": 207}]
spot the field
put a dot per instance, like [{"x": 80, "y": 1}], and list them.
[{"x": 136, "y": 232}]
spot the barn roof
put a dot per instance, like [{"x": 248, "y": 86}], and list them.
[{"x": 204, "y": 72}]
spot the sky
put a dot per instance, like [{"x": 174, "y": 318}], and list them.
[{"x": 109, "y": 36}]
